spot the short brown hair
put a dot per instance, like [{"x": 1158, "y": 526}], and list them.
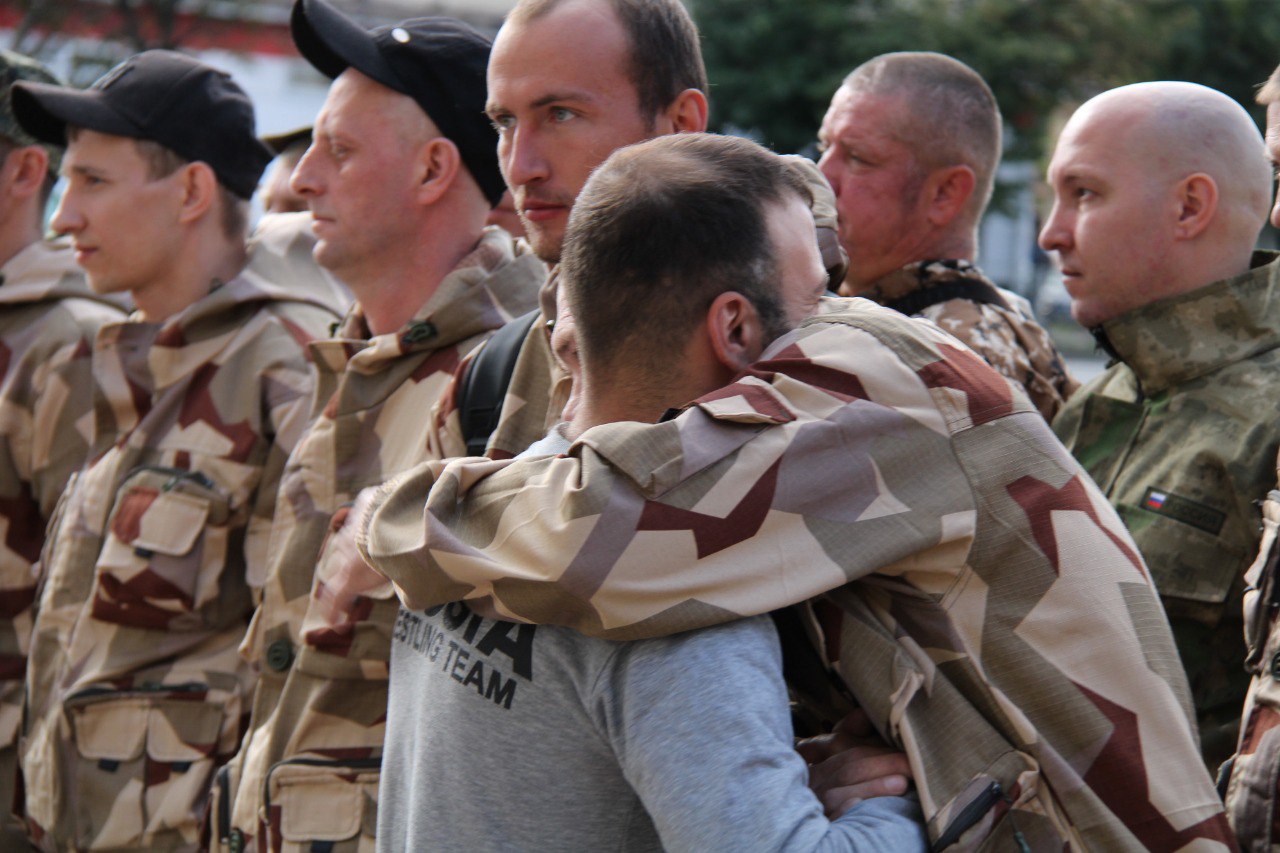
[
  {"x": 666, "y": 57},
  {"x": 954, "y": 118},
  {"x": 660, "y": 230},
  {"x": 1270, "y": 91}
]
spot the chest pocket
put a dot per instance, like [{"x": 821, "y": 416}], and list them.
[
  {"x": 165, "y": 553},
  {"x": 1194, "y": 570}
]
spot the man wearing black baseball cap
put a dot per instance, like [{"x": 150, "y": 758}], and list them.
[
  {"x": 400, "y": 177},
  {"x": 198, "y": 398}
]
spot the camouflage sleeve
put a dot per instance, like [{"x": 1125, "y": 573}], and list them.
[
  {"x": 794, "y": 480},
  {"x": 288, "y": 392},
  {"x": 1252, "y": 789},
  {"x": 444, "y": 427}
]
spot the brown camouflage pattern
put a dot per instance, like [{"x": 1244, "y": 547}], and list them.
[
  {"x": 1253, "y": 788},
  {"x": 48, "y": 318},
  {"x": 1010, "y": 340},
  {"x": 308, "y": 769},
  {"x": 135, "y": 691},
  {"x": 280, "y": 250},
  {"x": 993, "y": 616},
  {"x": 1181, "y": 435}
]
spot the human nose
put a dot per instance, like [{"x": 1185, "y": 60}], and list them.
[
  {"x": 305, "y": 180},
  {"x": 1056, "y": 233},
  {"x": 67, "y": 218},
  {"x": 523, "y": 159}
]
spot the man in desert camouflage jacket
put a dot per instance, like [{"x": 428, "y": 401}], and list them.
[
  {"x": 1252, "y": 788},
  {"x": 1160, "y": 192},
  {"x": 986, "y": 607},
  {"x": 395, "y": 163},
  {"x": 911, "y": 144},
  {"x": 47, "y": 321},
  {"x": 135, "y": 691}
]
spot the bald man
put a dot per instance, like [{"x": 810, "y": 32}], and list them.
[{"x": 1160, "y": 191}]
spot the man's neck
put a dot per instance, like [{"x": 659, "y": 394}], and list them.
[
  {"x": 391, "y": 294},
  {"x": 191, "y": 282}
]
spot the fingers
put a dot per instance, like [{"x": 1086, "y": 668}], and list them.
[
  {"x": 857, "y": 765},
  {"x": 837, "y": 801}
]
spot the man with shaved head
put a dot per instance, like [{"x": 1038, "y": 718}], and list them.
[
  {"x": 910, "y": 144},
  {"x": 1160, "y": 191}
]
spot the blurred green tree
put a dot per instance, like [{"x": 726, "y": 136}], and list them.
[{"x": 775, "y": 63}]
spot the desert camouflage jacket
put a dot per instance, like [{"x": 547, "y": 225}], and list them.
[
  {"x": 280, "y": 250},
  {"x": 310, "y": 760},
  {"x": 992, "y": 615},
  {"x": 1005, "y": 335},
  {"x": 135, "y": 691},
  {"x": 48, "y": 318},
  {"x": 1252, "y": 784},
  {"x": 1181, "y": 435}
]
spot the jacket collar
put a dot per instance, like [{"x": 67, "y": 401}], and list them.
[
  {"x": 491, "y": 285},
  {"x": 1175, "y": 340}
]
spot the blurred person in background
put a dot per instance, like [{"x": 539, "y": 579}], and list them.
[{"x": 48, "y": 318}]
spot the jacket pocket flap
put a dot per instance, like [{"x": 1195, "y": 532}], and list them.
[
  {"x": 180, "y": 731},
  {"x": 164, "y": 522},
  {"x": 319, "y": 804},
  {"x": 111, "y": 730}
]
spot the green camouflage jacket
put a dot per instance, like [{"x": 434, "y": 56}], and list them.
[
  {"x": 992, "y": 615},
  {"x": 1006, "y": 336},
  {"x": 1181, "y": 435},
  {"x": 48, "y": 318},
  {"x": 309, "y": 764},
  {"x": 135, "y": 691}
]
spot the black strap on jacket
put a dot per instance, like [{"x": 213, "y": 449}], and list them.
[
  {"x": 974, "y": 291},
  {"x": 484, "y": 383}
]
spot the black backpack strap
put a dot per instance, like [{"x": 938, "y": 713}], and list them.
[
  {"x": 974, "y": 291},
  {"x": 484, "y": 383},
  {"x": 819, "y": 697}
]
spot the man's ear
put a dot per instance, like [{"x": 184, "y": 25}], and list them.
[
  {"x": 947, "y": 192},
  {"x": 24, "y": 171},
  {"x": 735, "y": 331},
  {"x": 198, "y": 186},
  {"x": 439, "y": 163},
  {"x": 686, "y": 114},
  {"x": 1197, "y": 200}
]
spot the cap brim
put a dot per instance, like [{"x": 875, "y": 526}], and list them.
[
  {"x": 332, "y": 42},
  {"x": 281, "y": 142},
  {"x": 44, "y": 111}
]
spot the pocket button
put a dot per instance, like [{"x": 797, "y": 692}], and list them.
[{"x": 280, "y": 655}]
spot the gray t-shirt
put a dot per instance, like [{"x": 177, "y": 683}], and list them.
[{"x": 520, "y": 737}]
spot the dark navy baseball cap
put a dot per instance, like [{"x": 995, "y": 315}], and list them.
[
  {"x": 439, "y": 62},
  {"x": 194, "y": 110}
]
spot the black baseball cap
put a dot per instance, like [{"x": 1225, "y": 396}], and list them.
[
  {"x": 439, "y": 62},
  {"x": 195, "y": 111}
]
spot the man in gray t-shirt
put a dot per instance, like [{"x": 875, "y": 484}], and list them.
[{"x": 522, "y": 737}]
